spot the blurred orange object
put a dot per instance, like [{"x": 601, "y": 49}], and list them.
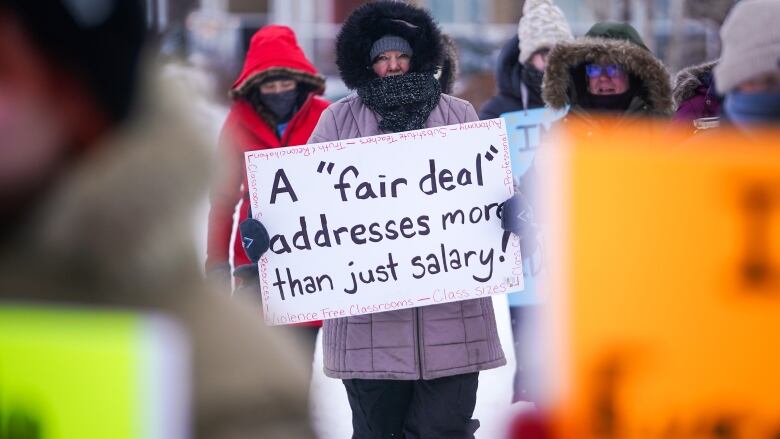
[{"x": 664, "y": 313}]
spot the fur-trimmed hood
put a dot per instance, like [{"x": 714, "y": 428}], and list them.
[
  {"x": 274, "y": 51},
  {"x": 688, "y": 81},
  {"x": 449, "y": 71},
  {"x": 565, "y": 69},
  {"x": 374, "y": 20}
]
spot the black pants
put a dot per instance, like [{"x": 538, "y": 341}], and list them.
[{"x": 429, "y": 409}]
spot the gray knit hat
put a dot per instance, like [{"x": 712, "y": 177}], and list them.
[
  {"x": 542, "y": 25},
  {"x": 751, "y": 43},
  {"x": 390, "y": 42}
]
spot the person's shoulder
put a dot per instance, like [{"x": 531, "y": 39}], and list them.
[
  {"x": 452, "y": 104},
  {"x": 320, "y": 103},
  {"x": 498, "y": 105},
  {"x": 453, "y": 101},
  {"x": 452, "y": 110},
  {"x": 349, "y": 102},
  {"x": 239, "y": 109}
]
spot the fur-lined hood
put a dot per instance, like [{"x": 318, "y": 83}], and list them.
[
  {"x": 567, "y": 60},
  {"x": 688, "y": 81},
  {"x": 274, "y": 51},
  {"x": 374, "y": 20},
  {"x": 450, "y": 69}
]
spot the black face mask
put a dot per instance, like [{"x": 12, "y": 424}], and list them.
[
  {"x": 280, "y": 104},
  {"x": 610, "y": 103},
  {"x": 532, "y": 76}
]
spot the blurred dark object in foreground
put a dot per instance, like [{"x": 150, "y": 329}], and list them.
[{"x": 100, "y": 172}]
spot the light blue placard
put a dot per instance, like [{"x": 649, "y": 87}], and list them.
[{"x": 526, "y": 131}]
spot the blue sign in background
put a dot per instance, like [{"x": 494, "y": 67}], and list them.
[{"x": 526, "y": 130}]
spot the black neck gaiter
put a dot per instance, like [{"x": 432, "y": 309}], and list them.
[
  {"x": 281, "y": 105},
  {"x": 618, "y": 103},
  {"x": 532, "y": 78}
]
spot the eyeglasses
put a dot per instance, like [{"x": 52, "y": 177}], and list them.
[{"x": 595, "y": 70}]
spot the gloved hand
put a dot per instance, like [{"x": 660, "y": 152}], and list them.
[
  {"x": 518, "y": 217},
  {"x": 256, "y": 241},
  {"x": 254, "y": 238}
]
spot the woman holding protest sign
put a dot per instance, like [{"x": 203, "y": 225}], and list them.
[
  {"x": 276, "y": 103},
  {"x": 414, "y": 371}
]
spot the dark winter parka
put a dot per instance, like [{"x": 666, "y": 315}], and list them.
[
  {"x": 509, "y": 74},
  {"x": 694, "y": 93},
  {"x": 565, "y": 82},
  {"x": 415, "y": 343}
]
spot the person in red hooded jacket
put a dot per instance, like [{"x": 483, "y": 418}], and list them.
[{"x": 276, "y": 103}]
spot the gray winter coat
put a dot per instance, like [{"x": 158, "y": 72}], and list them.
[{"x": 416, "y": 343}]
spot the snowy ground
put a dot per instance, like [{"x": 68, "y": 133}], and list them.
[{"x": 330, "y": 409}]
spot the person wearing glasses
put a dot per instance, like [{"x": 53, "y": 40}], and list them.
[{"x": 609, "y": 70}]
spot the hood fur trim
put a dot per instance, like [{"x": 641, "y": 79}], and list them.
[
  {"x": 449, "y": 71},
  {"x": 374, "y": 20},
  {"x": 688, "y": 80},
  {"x": 315, "y": 82},
  {"x": 307, "y": 84},
  {"x": 558, "y": 86}
]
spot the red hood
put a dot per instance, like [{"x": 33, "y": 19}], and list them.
[{"x": 273, "y": 50}]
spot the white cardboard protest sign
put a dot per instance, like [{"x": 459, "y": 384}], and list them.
[{"x": 386, "y": 222}]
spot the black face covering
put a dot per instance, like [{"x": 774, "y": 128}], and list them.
[
  {"x": 610, "y": 103},
  {"x": 532, "y": 78},
  {"x": 280, "y": 104}
]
